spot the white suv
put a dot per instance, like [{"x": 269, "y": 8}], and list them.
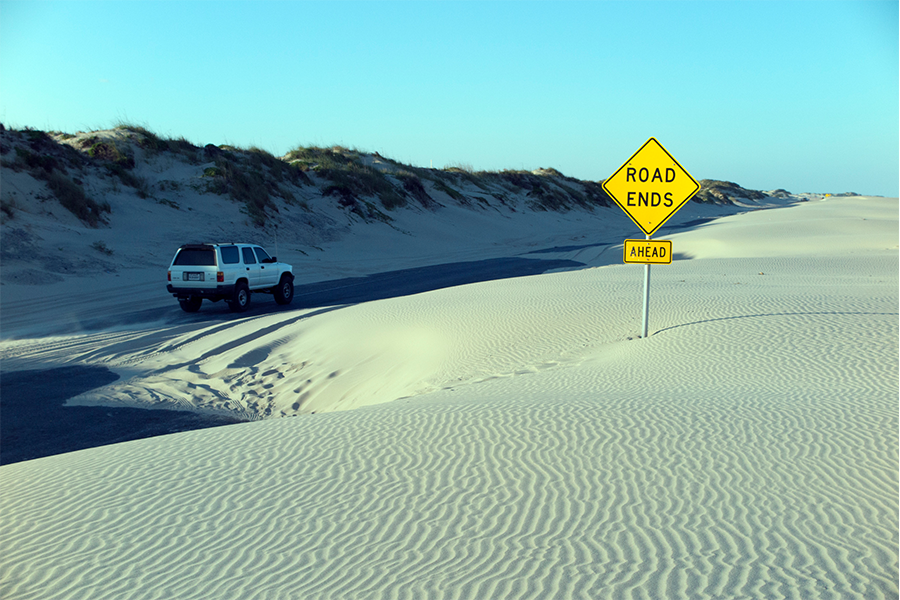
[{"x": 227, "y": 272}]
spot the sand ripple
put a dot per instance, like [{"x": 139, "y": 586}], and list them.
[
  {"x": 605, "y": 495},
  {"x": 747, "y": 449}
]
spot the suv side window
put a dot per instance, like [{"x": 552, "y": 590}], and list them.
[
  {"x": 248, "y": 256},
  {"x": 261, "y": 254},
  {"x": 230, "y": 255}
]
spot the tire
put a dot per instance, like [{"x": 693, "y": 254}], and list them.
[
  {"x": 241, "y": 299},
  {"x": 284, "y": 291},
  {"x": 191, "y": 304}
]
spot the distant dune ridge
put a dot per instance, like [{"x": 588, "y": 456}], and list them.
[
  {"x": 505, "y": 439},
  {"x": 100, "y": 179}
]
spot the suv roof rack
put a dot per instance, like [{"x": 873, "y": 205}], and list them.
[{"x": 195, "y": 245}]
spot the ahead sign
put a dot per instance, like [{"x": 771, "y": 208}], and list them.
[
  {"x": 651, "y": 186},
  {"x": 648, "y": 252}
]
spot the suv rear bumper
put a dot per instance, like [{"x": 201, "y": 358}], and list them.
[{"x": 220, "y": 292}]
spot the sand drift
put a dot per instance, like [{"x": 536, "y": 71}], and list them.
[{"x": 509, "y": 438}]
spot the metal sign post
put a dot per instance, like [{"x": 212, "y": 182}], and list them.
[
  {"x": 646, "y": 319},
  {"x": 647, "y": 252},
  {"x": 650, "y": 187}
]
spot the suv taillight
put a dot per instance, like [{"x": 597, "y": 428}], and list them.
[
  {"x": 170, "y": 275},
  {"x": 220, "y": 277}
]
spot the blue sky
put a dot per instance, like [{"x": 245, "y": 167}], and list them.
[{"x": 794, "y": 95}]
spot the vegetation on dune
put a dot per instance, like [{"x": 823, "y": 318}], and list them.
[
  {"x": 359, "y": 184},
  {"x": 443, "y": 187},
  {"x": 541, "y": 192},
  {"x": 248, "y": 187},
  {"x": 713, "y": 191},
  {"x": 463, "y": 174},
  {"x": 545, "y": 189},
  {"x": 46, "y": 160},
  {"x": 7, "y": 211},
  {"x": 350, "y": 180},
  {"x": 413, "y": 185},
  {"x": 102, "y": 248},
  {"x": 72, "y": 196},
  {"x": 109, "y": 152},
  {"x": 254, "y": 177},
  {"x": 117, "y": 161},
  {"x": 153, "y": 144},
  {"x": 592, "y": 195},
  {"x": 365, "y": 185}
]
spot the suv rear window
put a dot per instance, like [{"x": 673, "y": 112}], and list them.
[
  {"x": 230, "y": 255},
  {"x": 196, "y": 257}
]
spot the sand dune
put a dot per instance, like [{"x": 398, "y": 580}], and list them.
[{"x": 510, "y": 439}]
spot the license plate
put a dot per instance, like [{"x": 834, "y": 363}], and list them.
[{"x": 194, "y": 276}]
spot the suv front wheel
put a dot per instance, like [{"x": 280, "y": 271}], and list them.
[
  {"x": 241, "y": 299},
  {"x": 284, "y": 291}
]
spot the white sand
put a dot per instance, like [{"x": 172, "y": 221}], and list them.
[{"x": 511, "y": 439}]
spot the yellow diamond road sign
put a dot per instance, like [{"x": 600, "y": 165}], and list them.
[{"x": 651, "y": 186}]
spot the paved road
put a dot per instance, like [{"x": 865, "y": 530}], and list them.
[
  {"x": 36, "y": 424},
  {"x": 393, "y": 284},
  {"x": 351, "y": 290}
]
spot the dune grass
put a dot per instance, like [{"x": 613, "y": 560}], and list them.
[
  {"x": 714, "y": 191},
  {"x": 153, "y": 143},
  {"x": 73, "y": 198},
  {"x": 8, "y": 208},
  {"x": 48, "y": 161},
  {"x": 349, "y": 179},
  {"x": 254, "y": 177},
  {"x": 366, "y": 184}
]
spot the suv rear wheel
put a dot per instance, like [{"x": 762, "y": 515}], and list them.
[
  {"x": 191, "y": 304},
  {"x": 284, "y": 291},
  {"x": 241, "y": 299}
]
